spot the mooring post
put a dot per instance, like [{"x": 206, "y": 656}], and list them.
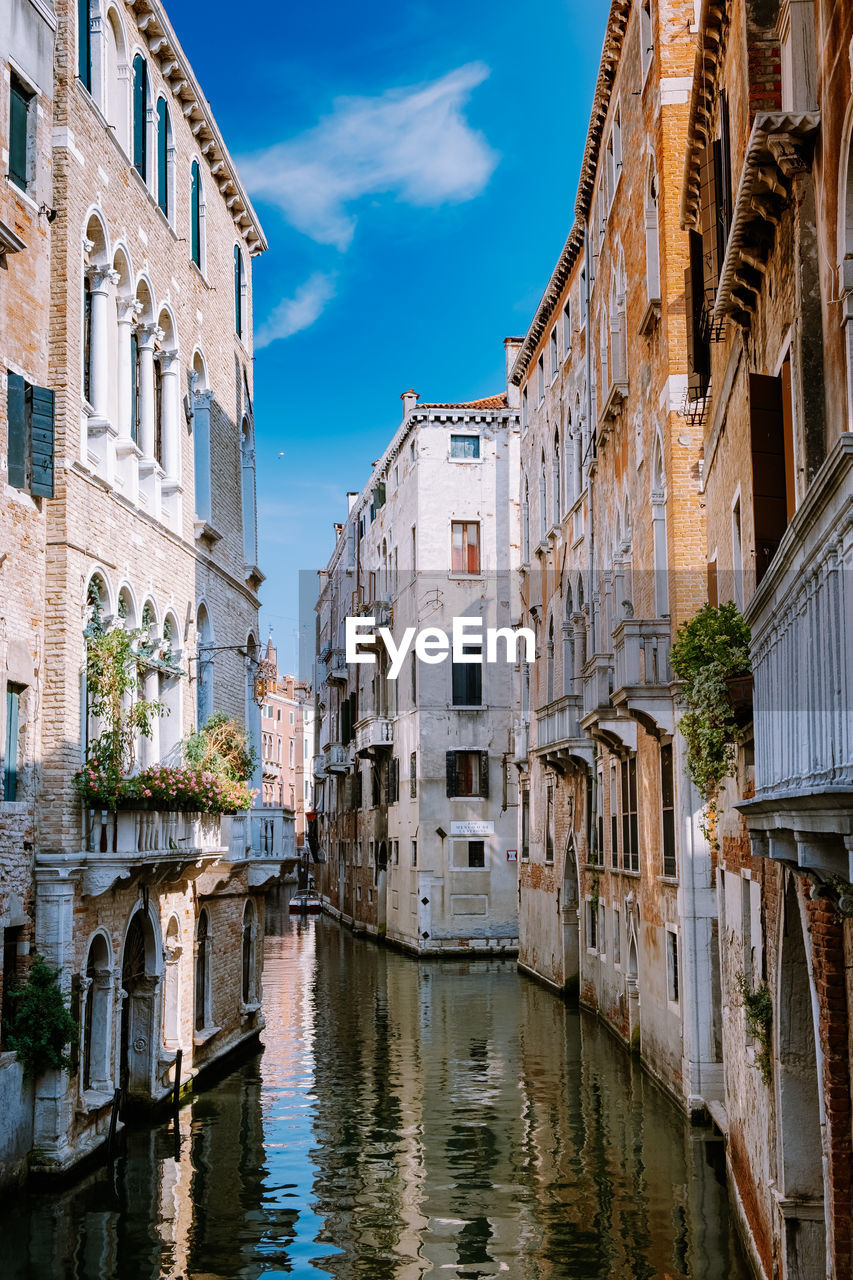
[
  {"x": 176, "y": 1092},
  {"x": 113, "y": 1121}
]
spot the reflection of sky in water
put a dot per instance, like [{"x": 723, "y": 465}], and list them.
[{"x": 405, "y": 1119}]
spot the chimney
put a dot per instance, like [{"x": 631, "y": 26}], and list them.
[
  {"x": 410, "y": 399},
  {"x": 338, "y": 530},
  {"x": 512, "y": 346},
  {"x": 352, "y": 499}
]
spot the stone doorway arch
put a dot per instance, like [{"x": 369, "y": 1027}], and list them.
[
  {"x": 632, "y": 982},
  {"x": 139, "y": 1024},
  {"x": 381, "y": 885}
]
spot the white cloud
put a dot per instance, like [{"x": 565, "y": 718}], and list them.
[
  {"x": 413, "y": 143},
  {"x": 298, "y": 312}
]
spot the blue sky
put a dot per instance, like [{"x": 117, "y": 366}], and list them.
[{"x": 414, "y": 166}]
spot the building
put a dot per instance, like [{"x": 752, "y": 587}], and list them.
[
  {"x": 768, "y": 203},
  {"x": 616, "y": 879},
  {"x": 128, "y": 502},
  {"x": 415, "y": 791},
  {"x": 26, "y": 233},
  {"x": 287, "y": 747}
]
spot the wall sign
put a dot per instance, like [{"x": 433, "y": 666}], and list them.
[
  {"x": 472, "y": 828},
  {"x": 512, "y": 855}
]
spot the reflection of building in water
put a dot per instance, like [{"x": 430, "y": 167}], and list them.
[{"x": 456, "y": 1128}]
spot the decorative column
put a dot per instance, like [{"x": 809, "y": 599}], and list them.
[
  {"x": 202, "y": 401},
  {"x": 579, "y": 626},
  {"x": 170, "y": 402},
  {"x": 54, "y": 1094},
  {"x": 100, "y": 279},
  {"x": 660, "y": 554},
  {"x": 127, "y": 451},
  {"x": 147, "y": 337}
]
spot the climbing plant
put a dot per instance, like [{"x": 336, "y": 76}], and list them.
[
  {"x": 709, "y": 650},
  {"x": 222, "y": 747},
  {"x": 758, "y": 1011},
  {"x": 42, "y": 1026}
]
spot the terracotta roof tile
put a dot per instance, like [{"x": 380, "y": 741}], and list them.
[{"x": 488, "y": 402}]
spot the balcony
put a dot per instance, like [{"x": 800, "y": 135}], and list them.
[
  {"x": 560, "y": 740},
  {"x": 271, "y": 770},
  {"x": 520, "y": 735},
  {"x": 337, "y": 757},
  {"x": 336, "y": 667},
  {"x": 600, "y": 718},
  {"x": 374, "y": 734},
  {"x": 641, "y": 672},
  {"x": 319, "y": 768},
  {"x": 265, "y": 840},
  {"x": 802, "y": 656},
  {"x": 151, "y": 844}
]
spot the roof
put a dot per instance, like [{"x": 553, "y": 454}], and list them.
[{"x": 488, "y": 402}]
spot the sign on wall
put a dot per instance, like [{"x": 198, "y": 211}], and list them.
[{"x": 472, "y": 828}]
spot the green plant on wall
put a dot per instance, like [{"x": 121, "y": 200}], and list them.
[
  {"x": 708, "y": 650},
  {"x": 758, "y": 1011},
  {"x": 42, "y": 1026},
  {"x": 222, "y": 747}
]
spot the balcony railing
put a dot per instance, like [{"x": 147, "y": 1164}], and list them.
[
  {"x": 642, "y": 673},
  {"x": 373, "y": 733},
  {"x": 337, "y": 757},
  {"x": 521, "y": 733},
  {"x": 145, "y": 832},
  {"x": 319, "y": 767},
  {"x": 559, "y": 721},
  {"x": 264, "y": 839},
  {"x": 597, "y": 684},
  {"x": 336, "y": 667}
]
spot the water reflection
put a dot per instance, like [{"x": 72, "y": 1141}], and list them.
[{"x": 406, "y": 1118}]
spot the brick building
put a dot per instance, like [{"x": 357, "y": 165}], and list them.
[
  {"x": 287, "y": 743},
  {"x": 130, "y": 499},
  {"x": 416, "y": 797},
  {"x": 26, "y": 223},
  {"x": 768, "y": 202},
  {"x": 615, "y": 880}
]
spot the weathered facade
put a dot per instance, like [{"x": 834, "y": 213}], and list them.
[
  {"x": 767, "y": 199},
  {"x": 418, "y": 801},
  {"x": 129, "y": 500},
  {"x": 616, "y": 879},
  {"x": 26, "y": 230}
]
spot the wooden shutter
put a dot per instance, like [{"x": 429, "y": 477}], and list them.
[
  {"x": 17, "y": 447},
  {"x": 10, "y": 773},
  {"x": 84, "y": 44},
  {"x": 162, "y": 157},
  {"x": 450, "y": 765},
  {"x": 788, "y": 440},
  {"x": 698, "y": 348},
  {"x": 708, "y": 166},
  {"x": 238, "y": 292},
  {"x": 19, "y": 108},
  {"x": 40, "y": 405},
  {"x": 140, "y": 112},
  {"x": 769, "y": 499},
  {"x": 484, "y": 773},
  {"x": 195, "y": 217}
]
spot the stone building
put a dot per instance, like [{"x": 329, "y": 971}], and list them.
[
  {"x": 26, "y": 473},
  {"x": 287, "y": 747},
  {"x": 615, "y": 879},
  {"x": 417, "y": 797},
  {"x": 768, "y": 203},
  {"x": 128, "y": 499}
]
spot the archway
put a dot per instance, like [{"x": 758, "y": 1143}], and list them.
[
  {"x": 381, "y": 885},
  {"x": 139, "y": 1036},
  {"x": 97, "y": 1020},
  {"x": 632, "y": 982},
  {"x": 800, "y": 1139},
  {"x": 569, "y": 900}
]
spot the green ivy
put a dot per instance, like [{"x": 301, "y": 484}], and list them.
[
  {"x": 758, "y": 1011},
  {"x": 42, "y": 1025},
  {"x": 709, "y": 649}
]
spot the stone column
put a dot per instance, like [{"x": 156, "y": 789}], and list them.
[
  {"x": 100, "y": 279},
  {"x": 54, "y": 1095},
  {"x": 149, "y": 334},
  {"x": 127, "y": 452},
  {"x": 660, "y": 553},
  {"x": 201, "y": 454},
  {"x": 170, "y": 373}
]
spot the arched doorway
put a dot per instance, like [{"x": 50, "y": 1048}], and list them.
[
  {"x": 139, "y": 1031},
  {"x": 632, "y": 982},
  {"x": 569, "y": 900},
  {"x": 381, "y": 885},
  {"x": 800, "y": 1140}
]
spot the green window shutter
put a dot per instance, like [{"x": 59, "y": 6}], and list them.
[
  {"x": 238, "y": 291},
  {"x": 17, "y": 415},
  {"x": 195, "y": 216},
  {"x": 134, "y": 388},
  {"x": 84, "y": 44},
  {"x": 10, "y": 771},
  {"x": 40, "y": 403},
  {"x": 19, "y": 110},
  {"x": 484, "y": 773},
  {"x": 450, "y": 765},
  {"x": 162, "y": 156},
  {"x": 140, "y": 111}
]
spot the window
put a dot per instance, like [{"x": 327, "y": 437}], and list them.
[
  {"x": 549, "y": 824},
  {"x": 465, "y": 447},
  {"x": 84, "y": 44},
  {"x": 630, "y": 848},
  {"x": 602, "y": 929},
  {"x": 555, "y": 355},
  {"x": 392, "y": 780},
  {"x": 413, "y": 774},
  {"x": 598, "y": 851},
  {"x": 164, "y": 158},
  {"x": 10, "y": 756},
  {"x": 239, "y": 290},
  {"x": 672, "y": 977},
  {"x": 646, "y": 36},
  {"x": 737, "y": 555},
  {"x": 96, "y": 1018},
  {"x": 467, "y": 773},
  {"x": 540, "y": 378},
  {"x": 613, "y": 161},
  {"x": 567, "y": 328},
  {"x": 667, "y": 801},
  {"x": 414, "y": 853},
  {"x": 195, "y": 214},
  {"x": 591, "y": 926},
  {"x": 525, "y": 826},
  {"x": 524, "y": 409},
  {"x": 467, "y": 678},
  {"x": 772, "y": 438},
  {"x": 292, "y": 744},
  {"x": 21, "y": 124},
  {"x": 617, "y": 937},
  {"x": 476, "y": 853},
  {"x": 652, "y": 245},
  {"x": 556, "y": 478},
  {"x": 31, "y": 440},
  {"x": 465, "y": 546},
  {"x": 395, "y": 853},
  {"x": 202, "y": 973},
  {"x": 140, "y": 116},
  {"x": 525, "y": 524},
  {"x": 614, "y": 816}
]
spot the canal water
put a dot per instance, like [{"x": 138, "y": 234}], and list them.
[{"x": 405, "y": 1119}]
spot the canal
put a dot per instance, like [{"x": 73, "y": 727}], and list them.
[{"x": 405, "y": 1119}]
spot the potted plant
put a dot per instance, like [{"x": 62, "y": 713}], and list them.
[{"x": 710, "y": 653}]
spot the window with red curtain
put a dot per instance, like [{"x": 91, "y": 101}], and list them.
[{"x": 465, "y": 546}]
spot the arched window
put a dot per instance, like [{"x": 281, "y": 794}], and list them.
[
  {"x": 652, "y": 246},
  {"x": 525, "y": 524},
  {"x": 556, "y": 478},
  {"x": 203, "y": 1015},
  {"x": 239, "y": 291},
  {"x": 165, "y": 159},
  {"x": 204, "y": 694},
  {"x": 98, "y": 986},
  {"x": 140, "y": 116},
  {"x": 568, "y": 643},
  {"x": 172, "y": 985},
  {"x": 578, "y": 459},
  {"x": 249, "y": 956},
  {"x": 543, "y": 500},
  {"x": 84, "y": 43},
  {"x": 195, "y": 213},
  {"x": 549, "y": 695},
  {"x": 201, "y": 403},
  {"x": 658, "y": 500},
  {"x": 116, "y": 76},
  {"x": 247, "y": 460}
]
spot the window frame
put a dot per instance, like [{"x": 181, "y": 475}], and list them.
[
  {"x": 466, "y": 678},
  {"x": 479, "y": 775},
  {"x": 28, "y": 97},
  {"x": 466, "y": 548},
  {"x": 463, "y": 436}
]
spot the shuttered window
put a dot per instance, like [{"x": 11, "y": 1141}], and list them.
[
  {"x": 10, "y": 759},
  {"x": 769, "y": 487},
  {"x": 667, "y": 801},
  {"x": 163, "y": 193},
  {"x": 18, "y": 442},
  {"x": 630, "y": 847},
  {"x": 467, "y": 678},
  {"x": 698, "y": 347},
  {"x": 30, "y": 456},
  {"x": 413, "y": 774},
  {"x": 140, "y": 113},
  {"x": 238, "y": 291},
  {"x": 195, "y": 214},
  {"x": 20, "y": 101},
  {"x": 467, "y": 773},
  {"x": 134, "y": 388},
  {"x": 84, "y": 44}
]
